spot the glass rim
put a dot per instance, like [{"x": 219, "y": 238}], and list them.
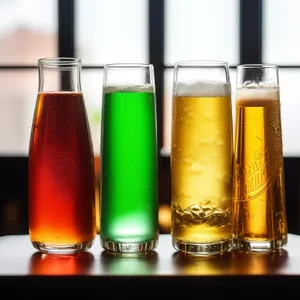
[
  {"x": 59, "y": 61},
  {"x": 257, "y": 66},
  {"x": 128, "y": 65},
  {"x": 201, "y": 63}
]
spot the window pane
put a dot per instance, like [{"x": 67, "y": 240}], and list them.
[
  {"x": 28, "y": 31},
  {"x": 281, "y": 40},
  {"x": 18, "y": 96},
  {"x": 206, "y": 29},
  {"x": 111, "y": 31},
  {"x": 92, "y": 91},
  {"x": 290, "y": 106},
  {"x": 167, "y": 109}
]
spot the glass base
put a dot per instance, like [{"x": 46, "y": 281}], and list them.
[
  {"x": 50, "y": 248},
  {"x": 129, "y": 248},
  {"x": 255, "y": 246},
  {"x": 203, "y": 249}
]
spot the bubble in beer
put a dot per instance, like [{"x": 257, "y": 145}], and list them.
[
  {"x": 203, "y": 217},
  {"x": 196, "y": 168}
]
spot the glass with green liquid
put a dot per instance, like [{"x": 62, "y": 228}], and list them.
[{"x": 129, "y": 160}]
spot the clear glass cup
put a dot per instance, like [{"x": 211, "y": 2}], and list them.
[
  {"x": 61, "y": 162},
  {"x": 201, "y": 158},
  {"x": 129, "y": 160},
  {"x": 259, "y": 213}
]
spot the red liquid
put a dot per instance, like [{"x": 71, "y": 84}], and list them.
[{"x": 61, "y": 171}]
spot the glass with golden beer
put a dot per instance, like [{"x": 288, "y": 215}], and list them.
[
  {"x": 201, "y": 158},
  {"x": 259, "y": 215}
]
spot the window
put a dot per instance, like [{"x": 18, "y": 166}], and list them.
[
  {"x": 206, "y": 29},
  {"x": 107, "y": 31},
  {"x": 281, "y": 46},
  {"x": 103, "y": 34},
  {"x": 114, "y": 38},
  {"x": 30, "y": 30},
  {"x": 281, "y": 42},
  {"x": 203, "y": 32},
  {"x": 26, "y": 34},
  {"x": 160, "y": 32}
]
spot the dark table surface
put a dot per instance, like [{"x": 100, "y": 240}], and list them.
[{"x": 23, "y": 270}]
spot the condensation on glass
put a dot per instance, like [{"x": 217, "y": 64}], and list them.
[
  {"x": 259, "y": 213},
  {"x": 201, "y": 158},
  {"x": 61, "y": 192}
]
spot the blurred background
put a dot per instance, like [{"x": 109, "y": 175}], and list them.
[{"x": 160, "y": 32}]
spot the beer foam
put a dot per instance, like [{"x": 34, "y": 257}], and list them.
[
  {"x": 128, "y": 88},
  {"x": 202, "y": 89},
  {"x": 257, "y": 93}
]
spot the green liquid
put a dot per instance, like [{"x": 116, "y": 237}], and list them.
[{"x": 129, "y": 183}]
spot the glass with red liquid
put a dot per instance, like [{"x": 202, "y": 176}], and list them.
[{"x": 61, "y": 162}]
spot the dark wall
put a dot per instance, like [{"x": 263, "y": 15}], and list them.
[{"x": 13, "y": 197}]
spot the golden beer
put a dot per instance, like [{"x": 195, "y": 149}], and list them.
[
  {"x": 259, "y": 197},
  {"x": 201, "y": 167}
]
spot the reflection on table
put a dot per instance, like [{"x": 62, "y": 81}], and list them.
[
  {"x": 44, "y": 264},
  {"x": 19, "y": 258}
]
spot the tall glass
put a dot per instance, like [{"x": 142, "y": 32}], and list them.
[
  {"x": 129, "y": 160},
  {"x": 259, "y": 212},
  {"x": 61, "y": 162},
  {"x": 201, "y": 158}
]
